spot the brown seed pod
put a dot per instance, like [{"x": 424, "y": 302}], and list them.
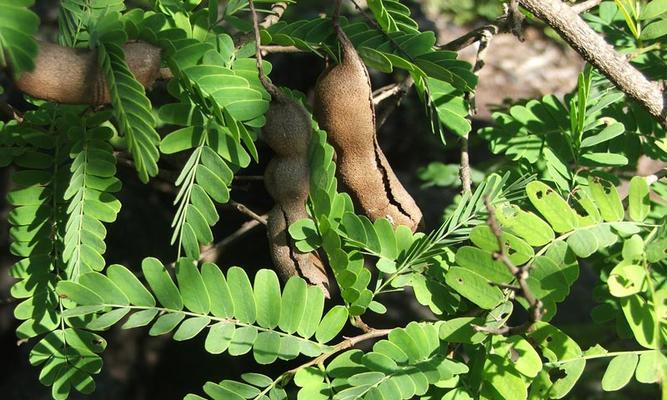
[
  {"x": 288, "y": 132},
  {"x": 72, "y": 76},
  {"x": 344, "y": 109}
]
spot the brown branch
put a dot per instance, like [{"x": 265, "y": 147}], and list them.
[
  {"x": 211, "y": 253},
  {"x": 501, "y": 26},
  {"x": 535, "y": 306},
  {"x": 280, "y": 49},
  {"x": 277, "y": 11},
  {"x": 398, "y": 94},
  {"x": 585, "y": 6},
  {"x": 595, "y": 50},
  {"x": 245, "y": 210},
  {"x": 344, "y": 345},
  {"x": 510, "y": 21}
]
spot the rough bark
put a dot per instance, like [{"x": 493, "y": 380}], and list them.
[{"x": 594, "y": 49}]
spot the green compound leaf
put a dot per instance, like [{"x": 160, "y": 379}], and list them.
[
  {"x": 163, "y": 286},
  {"x": 332, "y": 323},
  {"x": 619, "y": 372},
  {"x": 607, "y": 199},
  {"x": 393, "y": 16},
  {"x": 18, "y": 26},
  {"x": 560, "y": 350},
  {"x": 192, "y": 287},
  {"x": 132, "y": 109},
  {"x": 554, "y": 209},
  {"x": 474, "y": 287},
  {"x": 639, "y": 204}
]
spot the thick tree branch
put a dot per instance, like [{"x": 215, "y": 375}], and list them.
[{"x": 594, "y": 49}]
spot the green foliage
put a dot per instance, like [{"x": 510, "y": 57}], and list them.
[
  {"x": 440, "y": 78},
  {"x": 554, "y": 136},
  {"x": 131, "y": 107},
  {"x": 18, "y": 24},
  {"x": 56, "y": 231},
  {"x": 558, "y": 198},
  {"x": 75, "y": 18},
  {"x": 400, "y": 367},
  {"x": 240, "y": 316},
  {"x": 89, "y": 194},
  {"x": 393, "y": 16}
]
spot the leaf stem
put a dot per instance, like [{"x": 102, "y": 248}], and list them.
[{"x": 594, "y": 356}]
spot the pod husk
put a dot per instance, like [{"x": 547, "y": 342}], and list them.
[{"x": 344, "y": 108}]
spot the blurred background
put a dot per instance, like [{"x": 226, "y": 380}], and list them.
[{"x": 139, "y": 367}]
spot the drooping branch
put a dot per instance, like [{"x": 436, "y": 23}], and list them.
[
  {"x": 72, "y": 76},
  {"x": 595, "y": 50}
]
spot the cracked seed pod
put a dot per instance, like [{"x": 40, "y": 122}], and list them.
[
  {"x": 288, "y": 131},
  {"x": 344, "y": 109}
]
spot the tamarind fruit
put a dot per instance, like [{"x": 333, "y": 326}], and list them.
[
  {"x": 72, "y": 76},
  {"x": 287, "y": 131},
  {"x": 344, "y": 108}
]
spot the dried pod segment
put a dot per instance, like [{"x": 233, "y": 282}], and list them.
[
  {"x": 287, "y": 131},
  {"x": 344, "y": 109},
  {"x": 72, "y": 76}
]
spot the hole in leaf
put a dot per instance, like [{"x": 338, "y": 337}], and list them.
[
  {"x": 556, "y": 374},
  {"x": 539, "y": 194},
  {"x": 460, "y": 280},
  {"x": 548, "y": 339}
]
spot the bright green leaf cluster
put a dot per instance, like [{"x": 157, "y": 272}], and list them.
[{"x": 240, "y": 316}]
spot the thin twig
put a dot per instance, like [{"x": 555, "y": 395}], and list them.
[
  {"x": 277, "y": 11},
  {"x": 500, "y": 26},
  {"x": 401, "y": 90},
  {"x": 344, "y": 345},
  {"x": 359, "y": 323},
  {"x": 585, "y": 6},
  {"x": 11, "y": 112},
  {"x": 280, "y": 49},
  {"x": 464, "y": 167},
  {"x": 484, "y": 40},
  {"x": 270, "y": 87},
  {"x": 387, "y": 92},
  {"x": 211, "y": 253},
  {"x": 535, "y": 306},
  {"x": 245, "y": 210}
]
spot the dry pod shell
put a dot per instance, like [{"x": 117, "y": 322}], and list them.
[
  {"x": 344, "y": 109},
  {"x": 288, "y": 132}
]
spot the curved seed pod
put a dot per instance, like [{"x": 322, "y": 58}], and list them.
[
  {"x": 344, "y": 109},
  {"x": 288, "y": 131},
  {"x": 72, "y": 76}
]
